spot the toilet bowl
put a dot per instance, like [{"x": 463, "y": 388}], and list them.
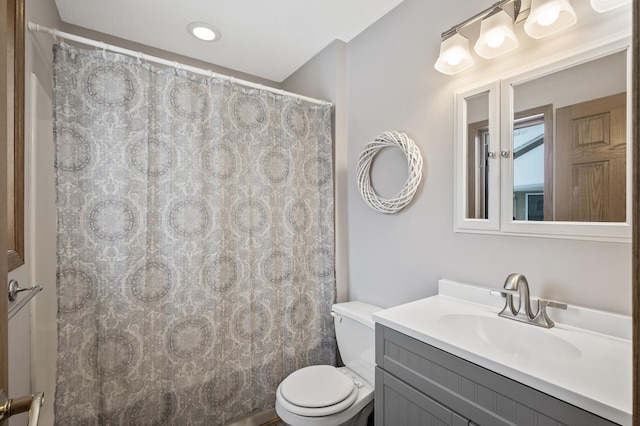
[{"x": 330, "y": 396}]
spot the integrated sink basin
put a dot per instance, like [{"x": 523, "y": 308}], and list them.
[
  {"x": 584, "y": 360},
  {"x": 514, "y": 339}
]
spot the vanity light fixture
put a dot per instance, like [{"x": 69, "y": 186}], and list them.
[
  {"x": 543, "y": 18},
  {"x": 547, "y": 17},
  {"x": 496, "y": 35},
  {"x": 203, "y": 31},
  {"x": 606, "y": 5},
  {"x": 496, "y": 38},
  {"x": 454, "y": 55}
]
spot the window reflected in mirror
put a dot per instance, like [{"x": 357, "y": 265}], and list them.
[{"x": 532, "y": 149}]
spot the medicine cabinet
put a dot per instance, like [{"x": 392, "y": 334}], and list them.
[{"x": 545, "y": 152}]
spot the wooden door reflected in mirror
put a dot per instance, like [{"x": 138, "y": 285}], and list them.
[{"x": 591, "y": 176}]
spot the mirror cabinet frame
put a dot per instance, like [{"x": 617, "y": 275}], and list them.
[
  {"x": 462, "y": 167},
  {"x": 501, "y": 92}
]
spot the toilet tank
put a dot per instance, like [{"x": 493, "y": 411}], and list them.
[{"x": 355, "y": 333}]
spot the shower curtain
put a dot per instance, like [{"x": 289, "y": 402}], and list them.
[{"x": 195, "y": 243}]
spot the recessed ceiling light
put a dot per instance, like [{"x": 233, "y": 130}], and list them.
[{"x": 203, "y": 31}]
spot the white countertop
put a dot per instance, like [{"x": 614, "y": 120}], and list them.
[{"x": 596, "y": 377}]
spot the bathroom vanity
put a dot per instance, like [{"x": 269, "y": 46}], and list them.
[{"x": 449, "y": 359}]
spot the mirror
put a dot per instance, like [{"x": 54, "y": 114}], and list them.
[
  {"x": 582, "y": 177},
  {"x": 477, "y": 176},
  {"x": 545, "y": 151},
  {"x": 15, "y": 132},
  {"x": 564, "y": 142},
  {"x": 478, "y": 153}
]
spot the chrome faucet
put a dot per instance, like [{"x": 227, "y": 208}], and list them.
[{"x": 517, "y": 285}]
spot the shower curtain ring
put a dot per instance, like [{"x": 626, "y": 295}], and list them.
[{"x": 104, "y": 46}]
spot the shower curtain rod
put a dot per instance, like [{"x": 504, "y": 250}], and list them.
[{"x": 201, "y": 71}]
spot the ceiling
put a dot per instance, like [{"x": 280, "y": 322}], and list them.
[{"x": 266, "y": 38}]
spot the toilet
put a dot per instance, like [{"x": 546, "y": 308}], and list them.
[{"x": 323, "y": 395}]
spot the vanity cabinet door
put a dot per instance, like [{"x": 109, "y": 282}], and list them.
[
  {"x": 483, "y": 397},
  {"x": 398, "y": 404}
]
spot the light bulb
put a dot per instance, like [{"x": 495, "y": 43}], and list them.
[
  {"x": 203, "y": 31},
  {"x": 454, "y": 57},
  {"x": 548, "y": 17},
  {"x": 495, "y": 39},
  {"x": 496, "y": 36}
]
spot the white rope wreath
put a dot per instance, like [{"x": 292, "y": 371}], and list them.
[{"x": 414, "y": 164}]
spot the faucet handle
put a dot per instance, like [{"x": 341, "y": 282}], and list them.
[
  {"x": 544, "y": 303},
  {"x": 541, "y": 318},
  {"x": 509, "y": 310},
  {"x": 503, "y": 292}
]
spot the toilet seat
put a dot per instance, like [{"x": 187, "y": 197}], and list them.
[{"x": 319, "y": 390}]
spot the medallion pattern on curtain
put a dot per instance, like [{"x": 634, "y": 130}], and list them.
[{"x": 195, "y": 243}]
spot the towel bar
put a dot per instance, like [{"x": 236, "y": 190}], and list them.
[{"x": 14, "y": 289}]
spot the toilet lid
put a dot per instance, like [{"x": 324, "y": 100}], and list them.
[{"x": 317, "y": 386}]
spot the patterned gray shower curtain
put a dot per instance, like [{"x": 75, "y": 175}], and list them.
[{"x": 195, "y": 243}]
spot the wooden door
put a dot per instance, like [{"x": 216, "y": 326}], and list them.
[
  {"x": 590, "y": 164},
  {"x": 7, "y": 14}
]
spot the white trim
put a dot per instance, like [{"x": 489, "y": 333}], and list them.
[{"x": 462, "y": 223}]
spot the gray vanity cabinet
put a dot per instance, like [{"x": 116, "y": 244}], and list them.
[{"x": 418, "y": 384}]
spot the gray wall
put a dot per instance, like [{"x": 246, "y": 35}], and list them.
[{"x": 392, "y": 85}]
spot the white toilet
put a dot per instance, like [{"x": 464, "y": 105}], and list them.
[{"x": 329, "y": 396}]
